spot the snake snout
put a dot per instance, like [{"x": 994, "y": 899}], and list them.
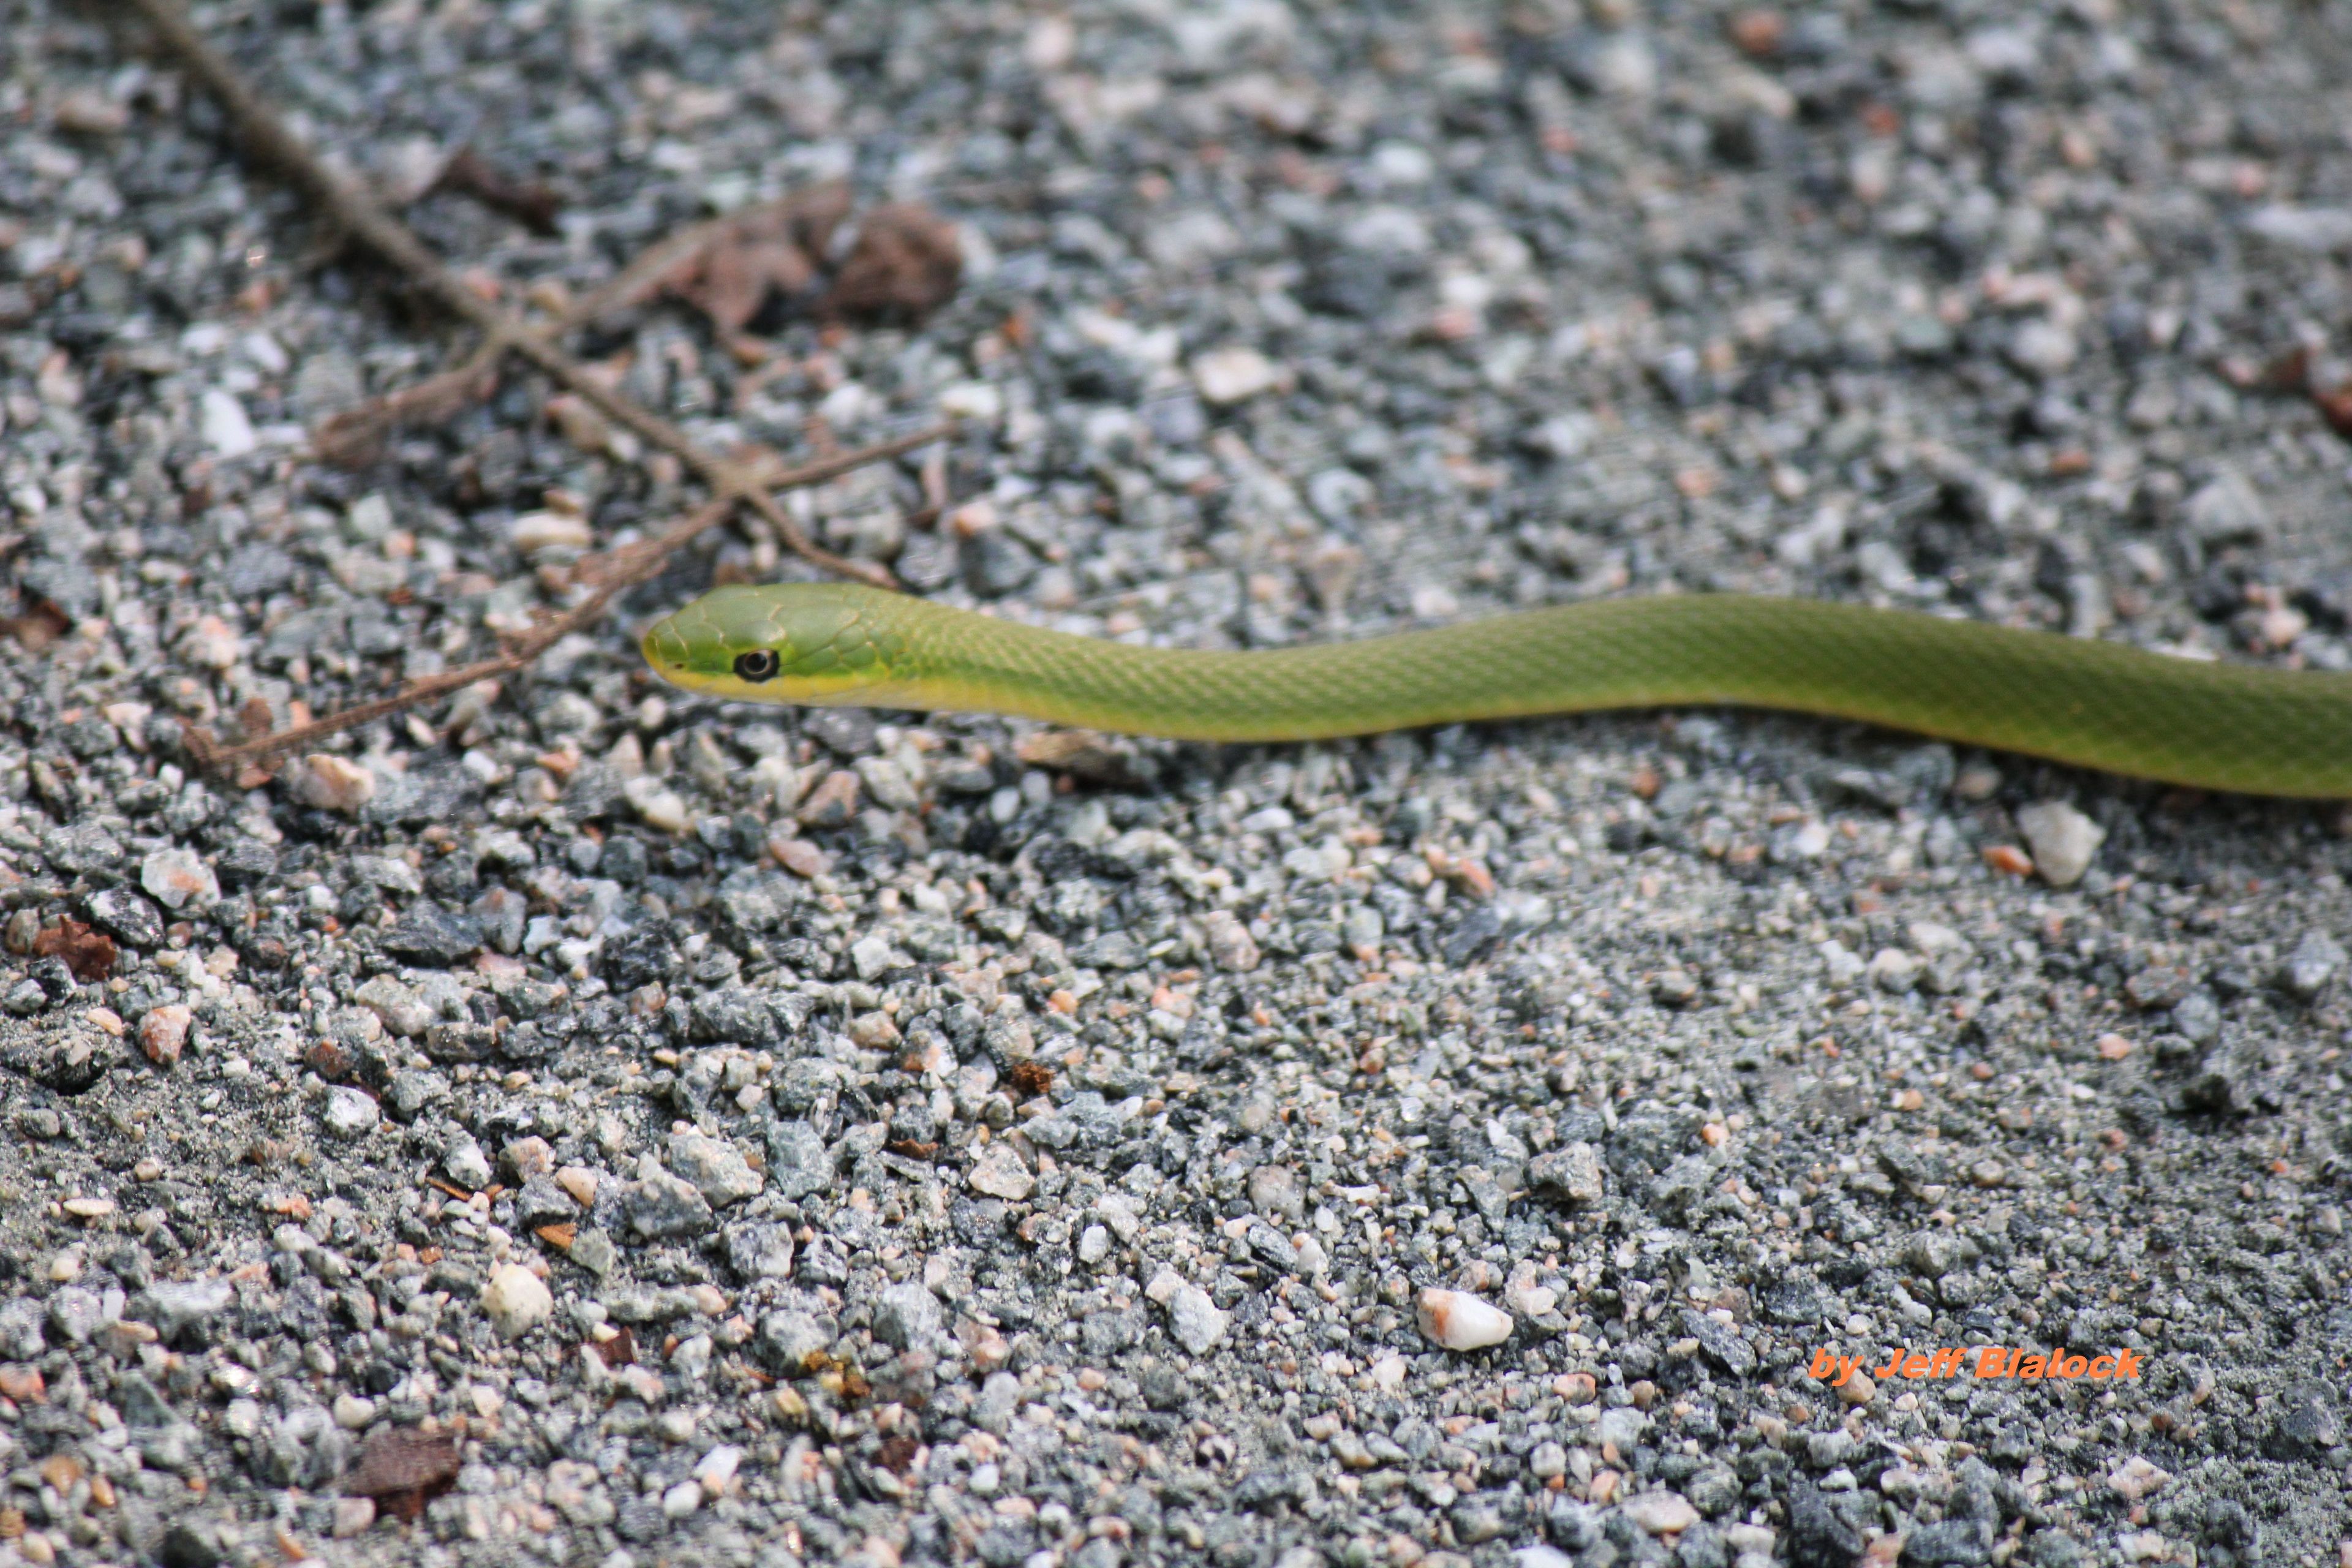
[{"x": 662, "y": 645}]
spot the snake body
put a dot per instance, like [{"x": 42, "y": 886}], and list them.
[{"x": 2210, "y": 725}]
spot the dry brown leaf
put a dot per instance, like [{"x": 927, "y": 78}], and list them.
[
  {"x": 88, "y": 954},
  {"x": 737, "y": 281},
  {"x": 745, "y": 262},
  {"x": 905, "y": 264},
  {"x": 38, "y": 627},
  {"x": 403, "y": 1467},
  {"x": 1029, "y": 1080}
]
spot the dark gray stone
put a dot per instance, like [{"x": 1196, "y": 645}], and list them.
[
  {"x": 431, "y": 936},
  {"x": 182, "y": 1312},
  {"x": 996, "y": 563},
  {"x": 540, "y": 1201},
  {"x": 907, "y": 1316},
  {"x": 125, "y": 915},
  {"x": 1720, "y": 1343},
  {"x": 799, "y": 1164},
  {"x": 761, "y": 1251},
  {"x": 1819, "y": 1536},
  {"x": 661, "y": 1207},
  {"x": 1949, "y": 1543},
  {"x": 2308, "y": 1425}
]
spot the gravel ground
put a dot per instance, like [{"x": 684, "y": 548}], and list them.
[{"x": 603, "y": 1127}]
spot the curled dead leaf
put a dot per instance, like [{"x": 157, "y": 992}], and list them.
[
  {"x": 88, "y": 954},
  {"x": 759, "y": 257},
  {"x": 906, "y": 263},
  {"x": 403, "y": 1467},
  {"x": 1029, "y": 1080}
]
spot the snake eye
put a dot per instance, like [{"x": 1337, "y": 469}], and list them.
[{"x": 758, "y": 664}]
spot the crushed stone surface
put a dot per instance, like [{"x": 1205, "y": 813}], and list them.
[{"x": 586, "y": 1124}]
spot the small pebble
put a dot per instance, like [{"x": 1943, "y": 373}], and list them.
[
  {"x": 224, "y": 426},
  {"x": 177, "y": 880},
  {"x": 580, "y": 1183},
  {"x": 1231, "y": 946},
  {"x": 1233, "y": 374},
  {"x": 999, "y": 1173},
  {"x": 717, "y": 1468},
  {"x": 537, "y": 533},
  {"x": 351, "y": 1112},
  {"x": 331, "y": 783},
  {"x": 1661, "y": 1513},
  {"x": 660, "y": 807},
  {"x": 2062, "y": 840},
  {"x": 516, "y": 1300},
  {"x": 164, "y": 1032},
  {"x": 2135, "y": 1477},
  {"x": 1461, "y": 1322},
  {"x": 1195, "y": 1321}
]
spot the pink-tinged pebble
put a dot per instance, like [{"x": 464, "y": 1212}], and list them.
[
  {"x": 163, "y": 1033},
  {"x": 1461, "y": 1322}
]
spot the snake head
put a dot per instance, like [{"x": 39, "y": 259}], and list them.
[{"x": 804, "y": 642}]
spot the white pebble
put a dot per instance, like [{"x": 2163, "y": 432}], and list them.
[
  {"x": 1461, "y": 1322},
  {"x": 974, "y": 400},
  {"x": 536, "y": 530},
  {"x": 999, "y": 1173},
  {"x": 2043, "y": 348},
  {"x": 331, "y": 783},
  {"x": 351, "y": 1113},
  {"x": 1195, "y": 1320},
  {"x": 1233, "y": 374},
  {"x": 516, "y": 1300},
  {"x": 717, "y": 1468},
  {"x": 223, "y": 422},
  {"x": 2062, "y": 840},
  {"x": 660, "y": 807},
  {"x": 1661, "y": 1513},
  {"x": 1894, "y": 970},
  {"x": 2135, "y": 1477},
  {"x": 176, "y": 880}
]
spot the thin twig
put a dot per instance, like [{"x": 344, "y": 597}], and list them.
[
  {"x": 210, "y": 754},
  {"x": 607, "y": 574},
  {"x": 354, "y": 435},
  {"x": 365, "y": 220}
]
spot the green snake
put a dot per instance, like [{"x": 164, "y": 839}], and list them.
[{"x": 2100, "y": 705}]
